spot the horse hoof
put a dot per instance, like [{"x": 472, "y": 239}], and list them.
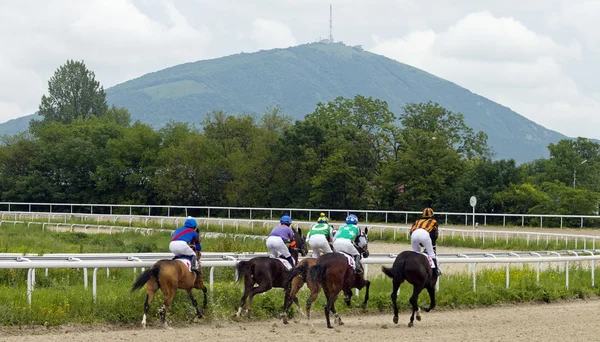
[
  {"x": 418, "y": 318},
  {"x": 411, "y": 324},
  {"x": 340, "y": 322},
  {"x": 285, "y": 321},
  {"x": 329, "y": 326},
  {"x": 426, "y": 308},
  {"x": 395, "y": 319},
  {"x": 364, "y": 306}
]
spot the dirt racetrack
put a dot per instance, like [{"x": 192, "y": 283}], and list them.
[{"x": 529, "y": 322}]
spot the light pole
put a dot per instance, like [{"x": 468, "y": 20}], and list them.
[{"x": 575, "y": 172}]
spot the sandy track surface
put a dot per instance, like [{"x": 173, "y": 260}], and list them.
[{"x": 543, "y": 322}]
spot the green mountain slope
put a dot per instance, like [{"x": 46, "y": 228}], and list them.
[{"x": 297, "y": 78}]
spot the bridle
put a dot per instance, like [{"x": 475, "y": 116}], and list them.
[{"x": 363, "y": 250}]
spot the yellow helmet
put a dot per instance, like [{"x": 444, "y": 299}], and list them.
[
  {"x": 322, "y": 218},
  {"x": 427, "y": 212}
]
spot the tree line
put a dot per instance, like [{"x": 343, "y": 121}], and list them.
[{"x": 349, "y": 153}]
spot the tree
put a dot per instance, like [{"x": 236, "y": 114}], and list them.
[
  {"x": 430, "y": 153},
  {"x": 73, "y": 92}
]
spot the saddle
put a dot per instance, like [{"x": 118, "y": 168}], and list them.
[
  {"x": 351, "y": 261},
  {"x": 285, "y": 263},
  {"x": 431, "y": 263},
  {"x": 185, "y": 261}
]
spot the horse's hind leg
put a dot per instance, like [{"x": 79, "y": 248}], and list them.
[
  {"x": 195, "y": 303},
  {"x": 262, "y": 287},
  {"x": 150, "y": 292},
  {"x": 169, "y": 295},
  {"x": 395, "y": 286},
  {"x": 205, "y": 292},
  {"x": 314, "y": 293},
  {"x": 248, "y": 286},
  {"x": 328, "y": 308},
  {"x": 335, "y": 314},
  {"x": 415, "y": 305}
]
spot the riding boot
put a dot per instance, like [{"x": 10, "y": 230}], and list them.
[
  {"x": 358, "y": 268},
  {"x": 195, "y": 268},
  {"x": 437, "y": 267},
  {"x": 291, "y": 261}
]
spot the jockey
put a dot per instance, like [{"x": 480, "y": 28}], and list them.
[
  {"x": 424, "y": 232},
  {"x": 182, "y": 238},
  {"x": 344, "y": 240},
  {"x": 279, "y": 236},
  {"x": 320, "y": 236}
]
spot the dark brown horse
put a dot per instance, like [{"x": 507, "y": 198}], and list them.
[
  {"x": 298, "y": 278},
  {"x": 168, "y": 276},
  {"x": 415, "y": 269},
  {"x": 267, "y": 272},
  {"x": 333, "y": 274}
]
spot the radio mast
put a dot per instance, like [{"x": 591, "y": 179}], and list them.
[{"x": 330, "y": 23}]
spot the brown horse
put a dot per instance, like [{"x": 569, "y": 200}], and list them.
[
  {"x": 168, "y": 276},
  {"x": 298, "y": 278},
  {"x": 267, "y": 272},
  {"x": 414, "y": 268},
  {"x": 334, "y": 275}
]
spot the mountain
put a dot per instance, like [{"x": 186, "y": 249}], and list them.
[{"x": 296, "y": 78}]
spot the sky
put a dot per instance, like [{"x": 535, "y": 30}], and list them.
[{"x": 539, "y": 58}]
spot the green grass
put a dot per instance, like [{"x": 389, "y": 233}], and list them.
[{"x": 60, "y": 296}]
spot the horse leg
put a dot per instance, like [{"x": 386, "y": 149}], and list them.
[
  {"x": 169, "y": 295},
  {"x": 249, "y": 285},
  {"x": 314, "y": 293},
  {"x": 205, "y": 292},
  {"x": 262, "y": 287},
  {"x": 348, "y": 296},
  {"x": 395, "y": 286},
  {"x": 431, "y": 291},
  {"x": 364, "y": 304},
  {"x": 195, "y": 303},
  {"x": 415, "y": 305},
  {"x": 330, "y": 301},
  {"x": 335, "y": 314},
  {"x": 151, "y": 289}
]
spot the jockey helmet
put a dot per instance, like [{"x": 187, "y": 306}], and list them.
[
  {"x": 322, "y": 218},
  {"x": 285, "y": 219},
  {"x": 351, "y": 219},
  {"x": 427, "y": 212}
]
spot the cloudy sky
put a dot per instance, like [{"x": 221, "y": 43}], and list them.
[{"x": 539, "y": 58}]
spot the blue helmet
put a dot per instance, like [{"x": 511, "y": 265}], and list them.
[
  {"x": 351, "y": 219},
  {"x": 285, "y": 219}
]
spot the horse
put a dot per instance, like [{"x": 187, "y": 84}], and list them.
[
  {"x": 298, "y": 277},
  {"x": 267, "y": 272},
  {"x": 333, "y": 274},
  {"x": 168, "y": 276},
  {"x": 414, "y": 268}
]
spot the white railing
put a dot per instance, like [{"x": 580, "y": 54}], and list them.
[
  {"x": 32, "y": 265},
  {"x": 531, "y": 238},
  {"x": 390, "y": 216}
]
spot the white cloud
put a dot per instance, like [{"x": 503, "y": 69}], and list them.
[
  {"x": 270, "y": 34},
  {"x": 500, "y": 58},
  {"x": 115, "y": 39}
]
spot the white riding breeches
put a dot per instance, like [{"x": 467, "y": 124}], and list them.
[
  {"x": 180, "y": 247},
  {"x": 318, "y": 243},
  {"x": 346, "y": 246},
  {"x": 277, "y": 247},
  {"x": 421, "y": 237}
]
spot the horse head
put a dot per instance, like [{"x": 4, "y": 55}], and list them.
[
  {"x": 362, "y": 243},
  {"x": 299, "y": 245}
]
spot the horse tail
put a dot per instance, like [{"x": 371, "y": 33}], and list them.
[
  {"x": 316, "y": 272},
  {"x": 394, "y": 271},
  {"x": 145, "y": 276},
  {"x": 300, "y": 270},
  {"x": 239, "y": 270}
]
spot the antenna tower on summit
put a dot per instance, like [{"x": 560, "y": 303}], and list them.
[{"x": 330, "y": 23}]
